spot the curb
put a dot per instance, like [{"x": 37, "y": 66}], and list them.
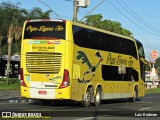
[
  {"x": 21, "y": 100},
  {"x": 13, "y": 97},
  {"x": 16, "y": 100}
]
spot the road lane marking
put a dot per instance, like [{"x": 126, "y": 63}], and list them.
[
  {"x": 146, "y": 108},
  {"x": 86, "y": 118}
]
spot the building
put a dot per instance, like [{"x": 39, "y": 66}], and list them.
[{"x": 14, "y": 66}]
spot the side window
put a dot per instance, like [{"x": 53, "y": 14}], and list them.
[
  {"x": 81, "y": 36},
  {"x": 93, "y": 39},
  {"x": 111, "y": 73}
]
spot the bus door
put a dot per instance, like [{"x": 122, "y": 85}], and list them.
[
  {"x": 124, "y": 84},
  {"x": 144, "y": 64},
  {"x": 119, "y": 85}
]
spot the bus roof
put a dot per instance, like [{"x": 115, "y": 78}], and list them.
[{"x": 86, "y": 26}]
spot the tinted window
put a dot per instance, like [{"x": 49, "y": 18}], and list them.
[
  {"x": 47, "y": 29},
  {"x": 111, "y": 73},
  {"x": 88, "y": 38}
]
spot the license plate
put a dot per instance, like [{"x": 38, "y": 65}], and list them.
[{"x": 42, "y": 92}]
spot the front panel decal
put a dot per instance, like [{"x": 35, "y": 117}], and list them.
[{"x": 91, "y": 69}]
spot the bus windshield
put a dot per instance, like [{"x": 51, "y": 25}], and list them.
[
  {"x": 140, "y": 49},
  {"x": 44, "y": 30}
]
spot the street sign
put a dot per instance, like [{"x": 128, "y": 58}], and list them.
[{"x": 154, "y": 54}]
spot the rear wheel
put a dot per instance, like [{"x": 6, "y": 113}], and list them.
[
  {"x": 97, "y": 98},
  {"x": 88, "y": 97}
]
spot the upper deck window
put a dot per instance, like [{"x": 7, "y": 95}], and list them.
[{"x": 88, "y": 38}]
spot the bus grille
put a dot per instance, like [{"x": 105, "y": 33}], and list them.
[{"x": 44, "y": 63}]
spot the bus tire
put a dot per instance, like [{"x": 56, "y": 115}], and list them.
[
  {"x": 88, "y": 97},
  {"x": 97, "y": 98},
  {"x": 135, "y": 95}
]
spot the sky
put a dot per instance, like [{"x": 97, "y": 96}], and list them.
[{"x": 141, "y": 17}]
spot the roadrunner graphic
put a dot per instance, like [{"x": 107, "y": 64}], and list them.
[
  {"x": 91, "y": 69},
  {"x": 53, "y": 80}
]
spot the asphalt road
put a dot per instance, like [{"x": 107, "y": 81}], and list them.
[{"x": 145, "y": 109}]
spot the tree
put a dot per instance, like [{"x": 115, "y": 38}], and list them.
[
  {"x": 6, "y": 11},
  {"x": 157, "y": 63},
  {"x": 93, "y": 20},
  {"x": 12, "y": 19},
  {"x": 113, "y": 26}
]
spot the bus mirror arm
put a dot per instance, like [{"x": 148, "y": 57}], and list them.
[{"x": 147, "y": 63}]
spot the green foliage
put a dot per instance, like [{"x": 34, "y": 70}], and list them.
[
  {"x": 93, "y": 20},
  {"x": 153, "y": 91},
  {"x": 157, "y": 64},
  {"x": 37, "y": 13},
  {"x": 11, "y": 22},
  {"x": 113, "y": 26},
  {"x": 147, "y": 68},
  {"x": 5, "y": 49},
  {"x": 158, "y": 71},
  {"x": 7, "y": 11},
  {"x": 14, "y": 84},
  {"x": 16, "y": 46}
]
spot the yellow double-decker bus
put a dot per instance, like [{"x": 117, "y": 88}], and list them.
[{"x": 63, "y": 60}]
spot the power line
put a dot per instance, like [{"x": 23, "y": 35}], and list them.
[
  {"x": 93, "y": 9},
  {"x": 64, "y": 17},
  {"x": 131, "y": 20},
  {"x": 50, "y": 9},
  {"x": 137, "y": 17},
  {"x": 69, "y": 0},
  {"x": 82, "y": 11}
]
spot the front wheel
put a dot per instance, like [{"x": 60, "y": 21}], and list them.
[
  {"x": 135, "y": 96},
  {"x": 97, "y": 98}
]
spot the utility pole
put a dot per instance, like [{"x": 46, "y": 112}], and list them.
[
  {"x": 93, "y": 9},
  {"x": 75, "y": 11}
]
